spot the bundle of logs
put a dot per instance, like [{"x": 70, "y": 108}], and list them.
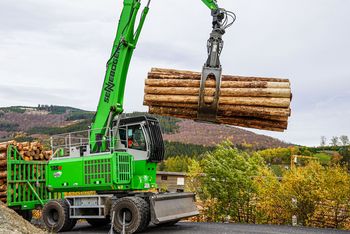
[
  {"x": 28, "y": 151},
  {"x": 261, "y": 103}
]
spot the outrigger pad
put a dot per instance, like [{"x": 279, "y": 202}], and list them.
[{"x": 172, "y": 207}]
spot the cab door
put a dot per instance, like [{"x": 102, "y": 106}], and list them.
[{"x": 134, "y": 140}]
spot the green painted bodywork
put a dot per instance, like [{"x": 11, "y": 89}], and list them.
[
  {"x": 211, "y": 4},
  {"x": 26, "y": 182},
  {"x": 142, "y": 174},
  {"x": 103, "y": 172}
]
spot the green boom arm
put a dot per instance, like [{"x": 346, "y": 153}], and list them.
[
  {"x": 211, "y": 4},
  {"x": 112, "y": 95}
]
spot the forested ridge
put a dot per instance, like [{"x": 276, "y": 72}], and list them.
[{"x": 183, "y": 137}]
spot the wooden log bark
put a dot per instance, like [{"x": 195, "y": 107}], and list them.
[
  {"x": 3, "y": 163},
  {"x": 224, "y": 92},
  {"x": 3, "y": 174},
  {"x": 238, "y": 109},
  {"x": 249, "y": 101},
  {"x": 211, "y": 83},
  {"x": 19, "y": 147},
  {"x": 256, "y": 102},
  {"x": 239, "y": 124},
  {"x": 193, "y": 113},
  {"x": 160, "y": 73},
  {"x": 3, "y": 194},
  {"x": 3, "y": 187},
  {"x": 3, "y": 148},
  {"x": 280, "y": 124}
]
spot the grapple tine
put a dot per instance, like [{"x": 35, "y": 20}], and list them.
[{"x": 208, "y": 112}]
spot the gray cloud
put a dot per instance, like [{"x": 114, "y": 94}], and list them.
[{"x": 60, "y": 48}]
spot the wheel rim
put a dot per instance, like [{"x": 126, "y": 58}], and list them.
[
  {"x": 128, "y": 216},
  {"x": 53, "y": 217}
]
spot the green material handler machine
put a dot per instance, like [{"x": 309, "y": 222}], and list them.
[{"x": 117, "y": 157}]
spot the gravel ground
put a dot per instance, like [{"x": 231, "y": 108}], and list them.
[
  {"x": 210, "y": 228},
  {"x": 12, "y": 223}
]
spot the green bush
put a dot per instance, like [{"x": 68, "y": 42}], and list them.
[
  {"x": 226, "y": 184},
  {"x": 323, "y": 157},
  {"x": 173, "y": 149}
]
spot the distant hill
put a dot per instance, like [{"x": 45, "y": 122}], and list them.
[
  {"x": 27, "y": 123},
  {"x": 210, "y": 135}
]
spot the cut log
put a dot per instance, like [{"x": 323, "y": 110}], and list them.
[
  {"x": 3, "y": 148},
  {"x": 212, "y": 84},
  {"x": 262, "y": 103},
  {"x": 193, "y": 113},
  {"x": 19, "y": 147},
  {"x": 160, "y": 73},
  {"x": 36, "y": 157},
  {"x": 3, "y": 188},
  {"x": 3, "y": 194},
  {"x": 239, "y": 124},
  {"x": 224, "y": 92},
  {"x": 282, "y": 124},
  {"x": 3, "y": 163},
  {"x": 248, "y": 101},
  {"x": 238, "y": 109},
  {"x": 3, "y": 156},
  {"x": 3, "y": 174}
]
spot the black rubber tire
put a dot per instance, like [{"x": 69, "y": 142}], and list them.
[
  {"x": 99, "y": 222},
  {"x": 138, "y": 214},
  {"x": 26, "y": 214},
  {"x": 56, "y": 216}
]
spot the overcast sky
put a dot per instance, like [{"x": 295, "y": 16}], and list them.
[{"x": 54, "y": 52}]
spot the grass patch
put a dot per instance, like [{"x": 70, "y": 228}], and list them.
[{"x": 323, "y": 157}]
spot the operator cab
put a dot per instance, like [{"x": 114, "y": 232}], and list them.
[{"x": 141, "y": 136}]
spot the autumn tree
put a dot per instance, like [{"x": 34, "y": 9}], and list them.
[
  {"x": 227, "y": 182},
  {"x": 323, "y": 141},
  {"x": 270, "y": 209},
  {"x": 335, "y": 141},
  {"x": 344, "y": 140},
  {"x": 177, "y": 164},
  {"x": 277, "y": 155},
  {"x": 319, "y": 196},
  {"x": 332, "y": 208}
]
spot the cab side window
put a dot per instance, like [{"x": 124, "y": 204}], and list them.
[
  {"x": 136, "y": 139},
  {"x": 122, "y": 136}
]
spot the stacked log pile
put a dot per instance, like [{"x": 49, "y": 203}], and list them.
[
  {"x": 262, "y": 103},
  {"x": 28, "y": 151}
]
